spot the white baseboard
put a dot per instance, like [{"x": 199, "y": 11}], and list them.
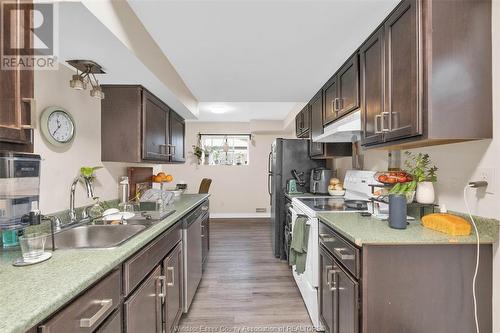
[{"x": 240, "y": 215}]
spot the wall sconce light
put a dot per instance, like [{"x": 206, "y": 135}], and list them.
[{"x": 85, "y": 75}]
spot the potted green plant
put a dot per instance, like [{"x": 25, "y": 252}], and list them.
[
  {"x": 198, "y": 152},
  {"x": 424, "y": 175}
]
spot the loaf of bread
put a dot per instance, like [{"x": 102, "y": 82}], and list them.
[{"x": 447, "y": 223}]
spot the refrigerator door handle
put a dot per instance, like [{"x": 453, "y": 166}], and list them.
[
  {"x": 269, "y": 162},
  {"x": 269, "y": 188}
]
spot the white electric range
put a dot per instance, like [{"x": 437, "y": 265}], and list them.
[{"x": 356, "y": 199}]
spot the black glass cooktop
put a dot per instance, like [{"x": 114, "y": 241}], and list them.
[{"x": 334, "y": 205}]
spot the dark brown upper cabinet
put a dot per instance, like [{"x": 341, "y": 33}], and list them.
[
  {"x": 372, "y": 86},
  {"x": 303, "y": 123},
  {"x": 16, "y": 94},
  {"x": 320, "y": 150},
  {"x": 316, "y": 107},
  {"x": 136, "y": 126},
  {"x": 155, "y": 129},
  {"x": 425, "y": 78},
  {"x": 177, "y": 138},
  {"x": 341, "y": 92},
  {"x": 402, "y": 113}
]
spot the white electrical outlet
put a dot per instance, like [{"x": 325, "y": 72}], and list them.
[{"x": 487, "y": 175}]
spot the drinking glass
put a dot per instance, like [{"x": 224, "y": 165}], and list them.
[{"x": 32, "y": 246}]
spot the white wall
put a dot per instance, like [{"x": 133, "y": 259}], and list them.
[
  {"x": 236, "y": 190},
  {"x": 458, "y": 163},
  {"x": 60, "y": 166}
]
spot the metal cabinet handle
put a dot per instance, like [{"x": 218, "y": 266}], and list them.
[
  {"x": 32, "y": 105},
  {"x": 166, "y": 148},
  {"x": 172, "y": 274},
  {"x": 384, "y": 114},
  {"x": 171, "y": 150},
  {"x": 162, "y": 279},
  {"x": 328, "y": 270},
  {"x": 378, "y": 118},
  {"x": 105, "y": 304},
  {"x": 339, "y": 252},
  {"x": 326, "y": 238},
  {"x": 333, "y": 274}
]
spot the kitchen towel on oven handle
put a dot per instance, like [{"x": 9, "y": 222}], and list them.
[{"x": 298, "y": 246}]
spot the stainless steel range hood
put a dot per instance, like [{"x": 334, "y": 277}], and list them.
[{"x": 342, "y": 130}]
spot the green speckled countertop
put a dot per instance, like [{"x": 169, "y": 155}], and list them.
[
  {"x": 30, "y": 294},
  {"x": 371, "y": 231}
]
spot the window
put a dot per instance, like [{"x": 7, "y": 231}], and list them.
[{"x": 221, "y": 149}]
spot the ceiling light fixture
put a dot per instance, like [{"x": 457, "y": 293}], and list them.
[
  {"x": 219, "y": 109},
  {"x": 85, "y": 75}
]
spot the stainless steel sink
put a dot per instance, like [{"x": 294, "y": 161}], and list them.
[{"x": 95, "y": 236}]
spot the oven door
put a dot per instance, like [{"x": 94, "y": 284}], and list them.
[{"x": 311, "y": 273}]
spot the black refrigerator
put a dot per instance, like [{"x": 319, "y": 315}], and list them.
[{"x": 285, "y": 156}]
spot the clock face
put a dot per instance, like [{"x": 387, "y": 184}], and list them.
[{"x": 60, "y": 126}]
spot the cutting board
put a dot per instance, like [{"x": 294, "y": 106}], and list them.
[{"x": 140, "y": 179}]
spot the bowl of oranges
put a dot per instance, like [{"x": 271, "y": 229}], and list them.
[{"x": 162, "y": 177}]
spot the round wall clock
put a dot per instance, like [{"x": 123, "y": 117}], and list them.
[{"x": 57, "y": 126}]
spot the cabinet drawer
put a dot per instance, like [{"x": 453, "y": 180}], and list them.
[
  {"x": 142, "y": 263},
  {"x": 89, "y": 310},
  {"x": 346, "y": 253}
]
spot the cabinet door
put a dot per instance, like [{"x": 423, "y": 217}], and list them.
[
  {"x": 326, "y": 296},
  {"x": 16, "y": 92},
  {"x": 403, "y": 108},
  {"x": 306, "y": 121},
  {"x": 177, "y": 138},
  {"x": 155, "y": 129},
  {"x": 298, "y": 124},
  {"x": 143, "y": 309},
  {"x": 173, "y": 272},
  {"x": 331, "y": 105},
  {"x": 348, "y": 82},
  {"x": 372, "y": 88},
  {"x": 316, "y": 107},
  {"x": 347, "y": 292}
]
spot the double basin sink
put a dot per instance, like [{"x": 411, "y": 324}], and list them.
[{"x": 98, "y": 234}]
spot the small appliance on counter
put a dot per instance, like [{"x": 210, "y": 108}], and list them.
[
  {"x": 320, "y": 180},
  {"x": 19, "y": 193},
  {"x": 291, "y": 187}
]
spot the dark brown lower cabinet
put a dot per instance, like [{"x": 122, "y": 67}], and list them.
[
  {"x": 339, "y": 297},
  {"x": 326, "y": 294},
  {"x": 402, "y": 288},
  {"x": 173, "y": 272},
  {"x": 142, "y": 310}
]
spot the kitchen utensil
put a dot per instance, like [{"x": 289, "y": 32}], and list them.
[
  {"x": 397, "y": 211},
  {"x": 32, "y": 246}
]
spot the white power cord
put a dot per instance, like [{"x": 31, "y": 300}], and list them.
[{"x": 471, "y": 185}]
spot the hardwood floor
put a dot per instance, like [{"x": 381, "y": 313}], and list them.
[{"x": 244, "y": 287}]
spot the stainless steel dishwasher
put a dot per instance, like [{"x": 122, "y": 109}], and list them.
[{"x": 193, "y": 261}]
